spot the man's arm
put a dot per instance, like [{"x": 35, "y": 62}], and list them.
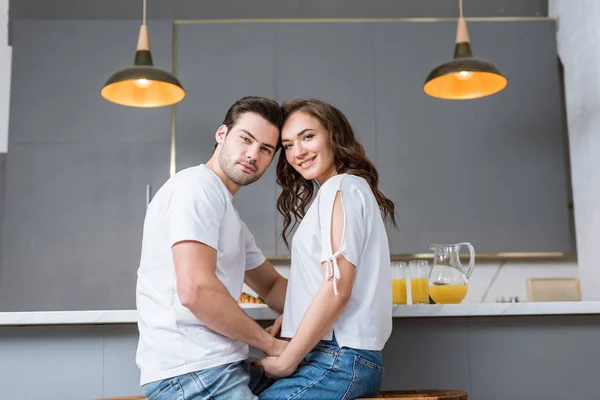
[
  {"x": 268, "y": 284},
  {"x": 206, "y": 297}
]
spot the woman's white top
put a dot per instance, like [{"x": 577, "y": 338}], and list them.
[{"x": 366, "y": 321}]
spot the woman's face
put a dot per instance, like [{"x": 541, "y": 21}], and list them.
[{"x": 306, "y": 145}]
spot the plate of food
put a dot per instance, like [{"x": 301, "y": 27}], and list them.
[{"x": 246, "y": 300}]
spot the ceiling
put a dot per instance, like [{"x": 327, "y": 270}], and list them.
[{"x": 219, "y": 9}]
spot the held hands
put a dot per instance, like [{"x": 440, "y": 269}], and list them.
[
  {"x": 277, "y": 347},
  {"x": 277, "y": 367}
]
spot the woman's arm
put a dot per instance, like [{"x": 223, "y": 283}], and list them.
[{"x": 325, "y": 307}]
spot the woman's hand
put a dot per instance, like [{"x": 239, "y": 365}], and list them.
[
  {"x": 275, "y": 329},
  {"x": 277, "y": 367}
]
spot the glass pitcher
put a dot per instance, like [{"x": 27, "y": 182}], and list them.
[{"x": 448, "y": 279}]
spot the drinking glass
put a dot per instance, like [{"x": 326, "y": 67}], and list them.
[
  {"x": 419, "y": 281},
  {"x": 400, "y": 275}
]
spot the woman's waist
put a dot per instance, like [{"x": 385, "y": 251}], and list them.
[{"x": 332, "y": 347}]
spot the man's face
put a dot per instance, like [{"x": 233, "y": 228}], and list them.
[{"x": 247, "y": 148}]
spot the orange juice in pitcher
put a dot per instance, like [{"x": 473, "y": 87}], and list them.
[
  {"x": 448, "y": 294},
  {"x": 448, "y": 279}
]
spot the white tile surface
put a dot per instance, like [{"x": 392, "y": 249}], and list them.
[{"x": 262, "y": 312}]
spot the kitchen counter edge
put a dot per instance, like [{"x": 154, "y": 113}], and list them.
[{"x": 103, "y": 317}]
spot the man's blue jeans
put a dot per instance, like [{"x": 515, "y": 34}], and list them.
[{"x": 224, "y": 382}]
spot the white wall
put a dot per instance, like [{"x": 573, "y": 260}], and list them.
[
  {"x": 510, "y": 279},
  {"x": 578, "y": 40},
  {"x": 5, "y": 66}
]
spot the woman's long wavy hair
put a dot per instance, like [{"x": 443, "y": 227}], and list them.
[{"x": 349, "y": 158}]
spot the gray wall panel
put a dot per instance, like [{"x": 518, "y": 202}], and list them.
[
  {"x": 331, "y": 62},
  {"x": 54, "y": 363},
  {"x": 221, "y": 63},
  {"x": 422, "y": 355},
  {"x": 58, "y": 69},
  {"x": 534, "y": 358},
  {"x": 490, "y": 171},
  {"x": 74, "y": 224},
  {"x": 121, "y": 376},
  {"x": 78, "y": 166}
]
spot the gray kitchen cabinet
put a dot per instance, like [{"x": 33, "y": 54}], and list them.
[
  {"x": 331, "y": 62},
  {"x": 74, "y": 216},
  {"x": 491, "y": 171},
  {"x": 220, "y": 63},
  {"x": 77, "y": 167}
]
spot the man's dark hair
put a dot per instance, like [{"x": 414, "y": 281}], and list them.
[{"x": 266, "y": 108}]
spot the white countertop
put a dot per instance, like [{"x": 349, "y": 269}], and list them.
[{"x": 261, "y": 312}]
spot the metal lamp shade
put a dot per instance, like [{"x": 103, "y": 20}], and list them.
[
  {"x": 464, "y": 77},
  {"x": 143, "y": 86}
]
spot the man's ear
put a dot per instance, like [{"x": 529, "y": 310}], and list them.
[{"x": 221, "y": 133}]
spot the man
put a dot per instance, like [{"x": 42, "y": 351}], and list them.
[{"x": 196, "y": 254}]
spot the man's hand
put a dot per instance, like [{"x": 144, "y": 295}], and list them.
[
  {"x": 277, "y": 367},
  {"x": 276, "y": 348},
  {"x": 275, "y": 329}
]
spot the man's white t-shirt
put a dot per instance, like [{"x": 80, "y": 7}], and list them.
[
  {"x": 366, "y": 321},
  {"x": 193, "y": 205}
]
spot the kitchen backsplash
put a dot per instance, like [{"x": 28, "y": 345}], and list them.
[{"x": 490, "y": 281}]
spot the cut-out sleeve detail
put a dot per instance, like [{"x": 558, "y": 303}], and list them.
[{"x": 352, "y": 242}]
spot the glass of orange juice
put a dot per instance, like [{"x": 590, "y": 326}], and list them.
[
  {"x": 400, "y": 275},
  {"x": 419, "y": 281}
]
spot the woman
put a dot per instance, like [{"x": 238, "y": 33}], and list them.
[{"x": 338, "y": 307}]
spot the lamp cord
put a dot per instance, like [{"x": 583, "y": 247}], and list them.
[{"x": 144, "y": 18}]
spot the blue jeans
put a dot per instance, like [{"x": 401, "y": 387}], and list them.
[
  {"x": 224, "y": 382},
  {"x": 329, "y": 372}
]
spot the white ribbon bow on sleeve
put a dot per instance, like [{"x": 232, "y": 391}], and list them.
[{"x": 333, "y": 270}]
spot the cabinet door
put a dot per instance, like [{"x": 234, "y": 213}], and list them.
[
  {"x": 77, "y": 167},
  {"x": 73, "y": 226},
  {"x": 331, "y": 62},
  {"x": 491, "y": 171},
  {"x": 220, "y": 63}
]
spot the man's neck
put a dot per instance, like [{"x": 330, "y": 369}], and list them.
[{"x": 214, "y": 166}]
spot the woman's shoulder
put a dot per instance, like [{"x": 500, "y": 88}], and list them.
[
  {"x": 345, "y": 181},
  {"x": 347, "y": 184}
]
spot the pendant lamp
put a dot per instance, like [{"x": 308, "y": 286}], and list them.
[
  {"x": 465, "y": 77},
  {"x": 143, "y": 85}
]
